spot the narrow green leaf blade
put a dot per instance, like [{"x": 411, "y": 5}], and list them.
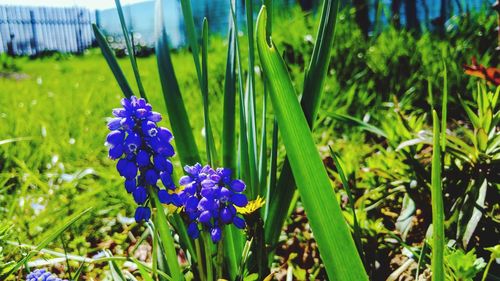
[
  {"x": 209, "y": 138},
  {"x": 343, "y": 179},
  {"x": 229, "y": 110},
  {"x": 358, "y": 122},
  {"x": 112, "y": 63},
  {"x": 130, "y": 49},
  {"x": 444, "y": 108},
  {"x": 335, "y": 243},
  {"x": 250, "y": 111},
  {"x": 181, "y": 127},
  {"x": 437, "y": 205},
  {"x": 192, "y": 38},
  {"x": 233, "y": 238},
  {"x": 51, "y": 236},
  {"x": 281, "y": 195},
  {"x": 167, "y": 241}
]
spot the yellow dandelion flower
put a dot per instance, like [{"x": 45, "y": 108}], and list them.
[{"x": 252, "y": 206}]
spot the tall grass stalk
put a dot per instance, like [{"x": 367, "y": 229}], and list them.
[
  {"x": 437, "y": 205},
  {"x": 335, "y": 242}
]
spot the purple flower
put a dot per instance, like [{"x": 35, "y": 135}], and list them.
[
  {"x": 209, "y": 198},
  {"x": 142, "y": 149},
  {"x": 42, "y": 275}
]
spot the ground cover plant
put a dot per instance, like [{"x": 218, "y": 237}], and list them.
[{"x": 405, "y": 184}]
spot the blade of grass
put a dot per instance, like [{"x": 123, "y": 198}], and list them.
[
  {"x": 51, "y": 236},
  {"x": 250, "y": 110},
  {"x": 207, "y": 243},
  {"x": 192, "y": 38},
  {"x": 166, "y": 239},
  {"x": 281, "y": 196},
  {"x": 112, "y": 63},
  {"x": 154, "y": 254},
  {"x": 335, "y": 242},
  {"x": 229, "y": 111},
  {"x": 444, "y": 109},
  {"x": 343, "y": 179},
  {"x": 358, "y": 122},
  {"x": 131, "y": 53},
  {"x": 232, "y": 238},
  {"x": 116, "y": 273},
  {"x": 437, "y": 205},
  {"x": 243, "y": 156},
  {"x": 263, "y": 146},
  {"x": 177, "y": 114},
  {"x": 273, "y": 171},
  {"x": 143, "y": 271},
  {"x": 209, "y": 138}
]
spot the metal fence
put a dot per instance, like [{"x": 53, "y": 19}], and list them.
[{"x": 31, "y": 30}]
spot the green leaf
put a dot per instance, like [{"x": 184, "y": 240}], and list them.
[
  {"x": 116, "y": 272},
  {"x": 281, "y": 197},
  {"x": 444, "y": 108},
  {"x": 232, "y": 238},
  {"x": 472, "y": 116},
  {"x": 229, "y": 111},
  {"x": 476, "y": 210},
  {"x": 142, "y": 270},
  {"x": 273, "y": 171},
  {"x": 112, "y": 63},
  {"x": 209, "y": 138},
  {"x": 335, "y": 242},
  {"x": 166, "y": 239},
  {"x": 192, "y": 38},
  {"x": 249, "y": 102},
  {"x": 47, "y": 239},
  {"x": 177, "y": 114},
  {"x": 358, "y": 122},
  {"x": 357, "y": 229},
  {"x": 437, "y": 205},
  {"x": 130, "y": 50}
]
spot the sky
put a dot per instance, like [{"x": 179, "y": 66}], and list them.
[{"x": 91, "y": 4}]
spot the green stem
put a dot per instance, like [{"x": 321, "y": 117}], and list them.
[
  {"x": 485, "y": 274},
  {"x": 220, "y": 258},
  {"x": 437, "y": 206},
  {"x": 201, "y": 271},
  {"x": 208, "y": 256}
]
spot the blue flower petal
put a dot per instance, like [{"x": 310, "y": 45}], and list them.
[
  {"x": 115, "y": 137},
  {"x": 239, "y": 222},
  {"x": 162, "y": 164},
  {"x": 185, "y": 180},
  {"x": 130, "y": 185},
  {"x": 151, "y": 177},
  {"x": 239, "y": 200},
  {"x": 205, "y": 217},
  {"x": 216, "y": 234},
  {"x": 226, "y": 216},
  {"x": 237, "y": 185},
  {"x": 165, "y": 197},
  {"x": 193, "y": 231},
  {"x": 142, "y": 213},
  {"x": 166, "y": 179},
  {"x": 140, "y": 195},
  {"x": 142, "y": 158},
  {"x": 116, "y": 151},
  {"x": 114, "y": 123}
]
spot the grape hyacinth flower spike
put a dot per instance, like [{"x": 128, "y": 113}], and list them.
[
  {"x": 142, "y": 149},
  {"x": 209, "y": 199},
  {"x": 42, "y": 275}
]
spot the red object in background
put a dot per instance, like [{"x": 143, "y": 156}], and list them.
[{"x": 490, "y": 74}]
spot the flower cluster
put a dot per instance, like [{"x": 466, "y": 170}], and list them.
[
  {"x": 143, "y": 150},
  {"x": 209, "y": 198},
  {"x": 42, "y": 275}
]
